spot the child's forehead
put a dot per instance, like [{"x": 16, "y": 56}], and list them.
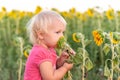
[
  {"x": 57, "y": 23},
  {"x": 57, "y": 26}
]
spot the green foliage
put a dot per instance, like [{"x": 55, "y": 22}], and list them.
[{"x": 106, "y": 71}]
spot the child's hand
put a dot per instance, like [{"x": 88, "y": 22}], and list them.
[
  {"x": 62, "y": 59},
  {"x": 68, "y": 66}
]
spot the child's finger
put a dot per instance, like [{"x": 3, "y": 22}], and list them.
[
  {"x": 72, "y": 52},
  {"x": 65, "y": 55}
]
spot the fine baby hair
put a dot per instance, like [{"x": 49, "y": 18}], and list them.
[{"x": 41, "y": 22}]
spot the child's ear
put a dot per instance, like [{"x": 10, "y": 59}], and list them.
[{"x": 39, "y": 34}]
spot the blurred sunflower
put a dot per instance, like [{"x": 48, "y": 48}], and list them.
[
  {"x": 98, "y": 37},
  {"x": 38, "y": 9},
  {"x": 3, "y": 12},
  {"x": 4, "y": 9},
  {"x": 81, "y": 16},
  {"x": 13, "y": 14},
  {"x": 30, "y": 14},
  {"x": 110, "y": 14},
  {"x": 22, "y": 14},
  {"x": 114, "y": 38},
  {"x": 76, "y": 37},
  {"x": 26, "y": 50},
  {"x": 72, "y": 10},
  {"x": 66, "y": 14},
  {"x": 26, "y": 54},
  {"x": 90, "y": 12}
]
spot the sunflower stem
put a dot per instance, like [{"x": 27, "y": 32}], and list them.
[
  {"x": 20, "y": 60},
  {"x": 83, "y": 65},
  {"x": 112, "y": 66}
]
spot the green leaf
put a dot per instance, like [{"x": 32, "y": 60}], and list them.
[
  {"x": 116, "y": 36},
  {"x": 117, "y": 49},
  {"x": 88, "y": 64},
  {"x": 106, "y": 71},
  {"x": 106, "y": 49},
  {"x": 116, "y": 69},
  {"x": 116, "y": 61},
  {"x": 77, "y": 59},
  {"x": 61, "y": 42},
  {"x": 80, "y": 51}
]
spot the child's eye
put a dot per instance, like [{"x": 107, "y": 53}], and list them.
[{"x": 58, "y": 32}]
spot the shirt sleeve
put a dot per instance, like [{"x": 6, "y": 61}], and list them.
[{"x": 42, "y": 56}]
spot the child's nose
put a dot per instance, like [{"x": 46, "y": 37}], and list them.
[{"x": 61, "y": 34}]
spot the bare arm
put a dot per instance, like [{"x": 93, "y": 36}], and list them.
[{"x": 48, "y": 73}]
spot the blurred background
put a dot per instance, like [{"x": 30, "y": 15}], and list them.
[
  {"x": 62, "y": 5},
  {"x": 82, "y": 16}
]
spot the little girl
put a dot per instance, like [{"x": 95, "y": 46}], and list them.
[{"x": 44, "y": 30}]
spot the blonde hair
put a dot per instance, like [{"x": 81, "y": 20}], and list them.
[{"x": 40, "y": 22}]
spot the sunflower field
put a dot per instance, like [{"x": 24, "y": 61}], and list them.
[{"x": 95, "y": 37}]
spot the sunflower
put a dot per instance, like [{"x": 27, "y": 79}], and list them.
[
  {"x": 66, "y": 14},
  {"x": 26, "y": 51},
  {"x": 38, "y": 9},
  {"x": 98, "y": 38},
  {"x": 114, "y": 39},
  {"x": 90, "y": 12},
  {"x": 21, "y": 14},
  {"x": 81, "y": 16},
  {"x": 4, "y": 9},
  {"x": 75, "y": 37},
  {"x": 26, "y": 54},
  {"x": 110, "y": 14},
  {"x": 13, "y": 14},
  {"x": 72, "y": 10}
]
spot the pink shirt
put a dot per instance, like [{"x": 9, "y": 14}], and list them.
[{"x": 38, "y": 55}]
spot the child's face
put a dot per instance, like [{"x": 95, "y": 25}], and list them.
[{"x": 55, "y": 31}]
